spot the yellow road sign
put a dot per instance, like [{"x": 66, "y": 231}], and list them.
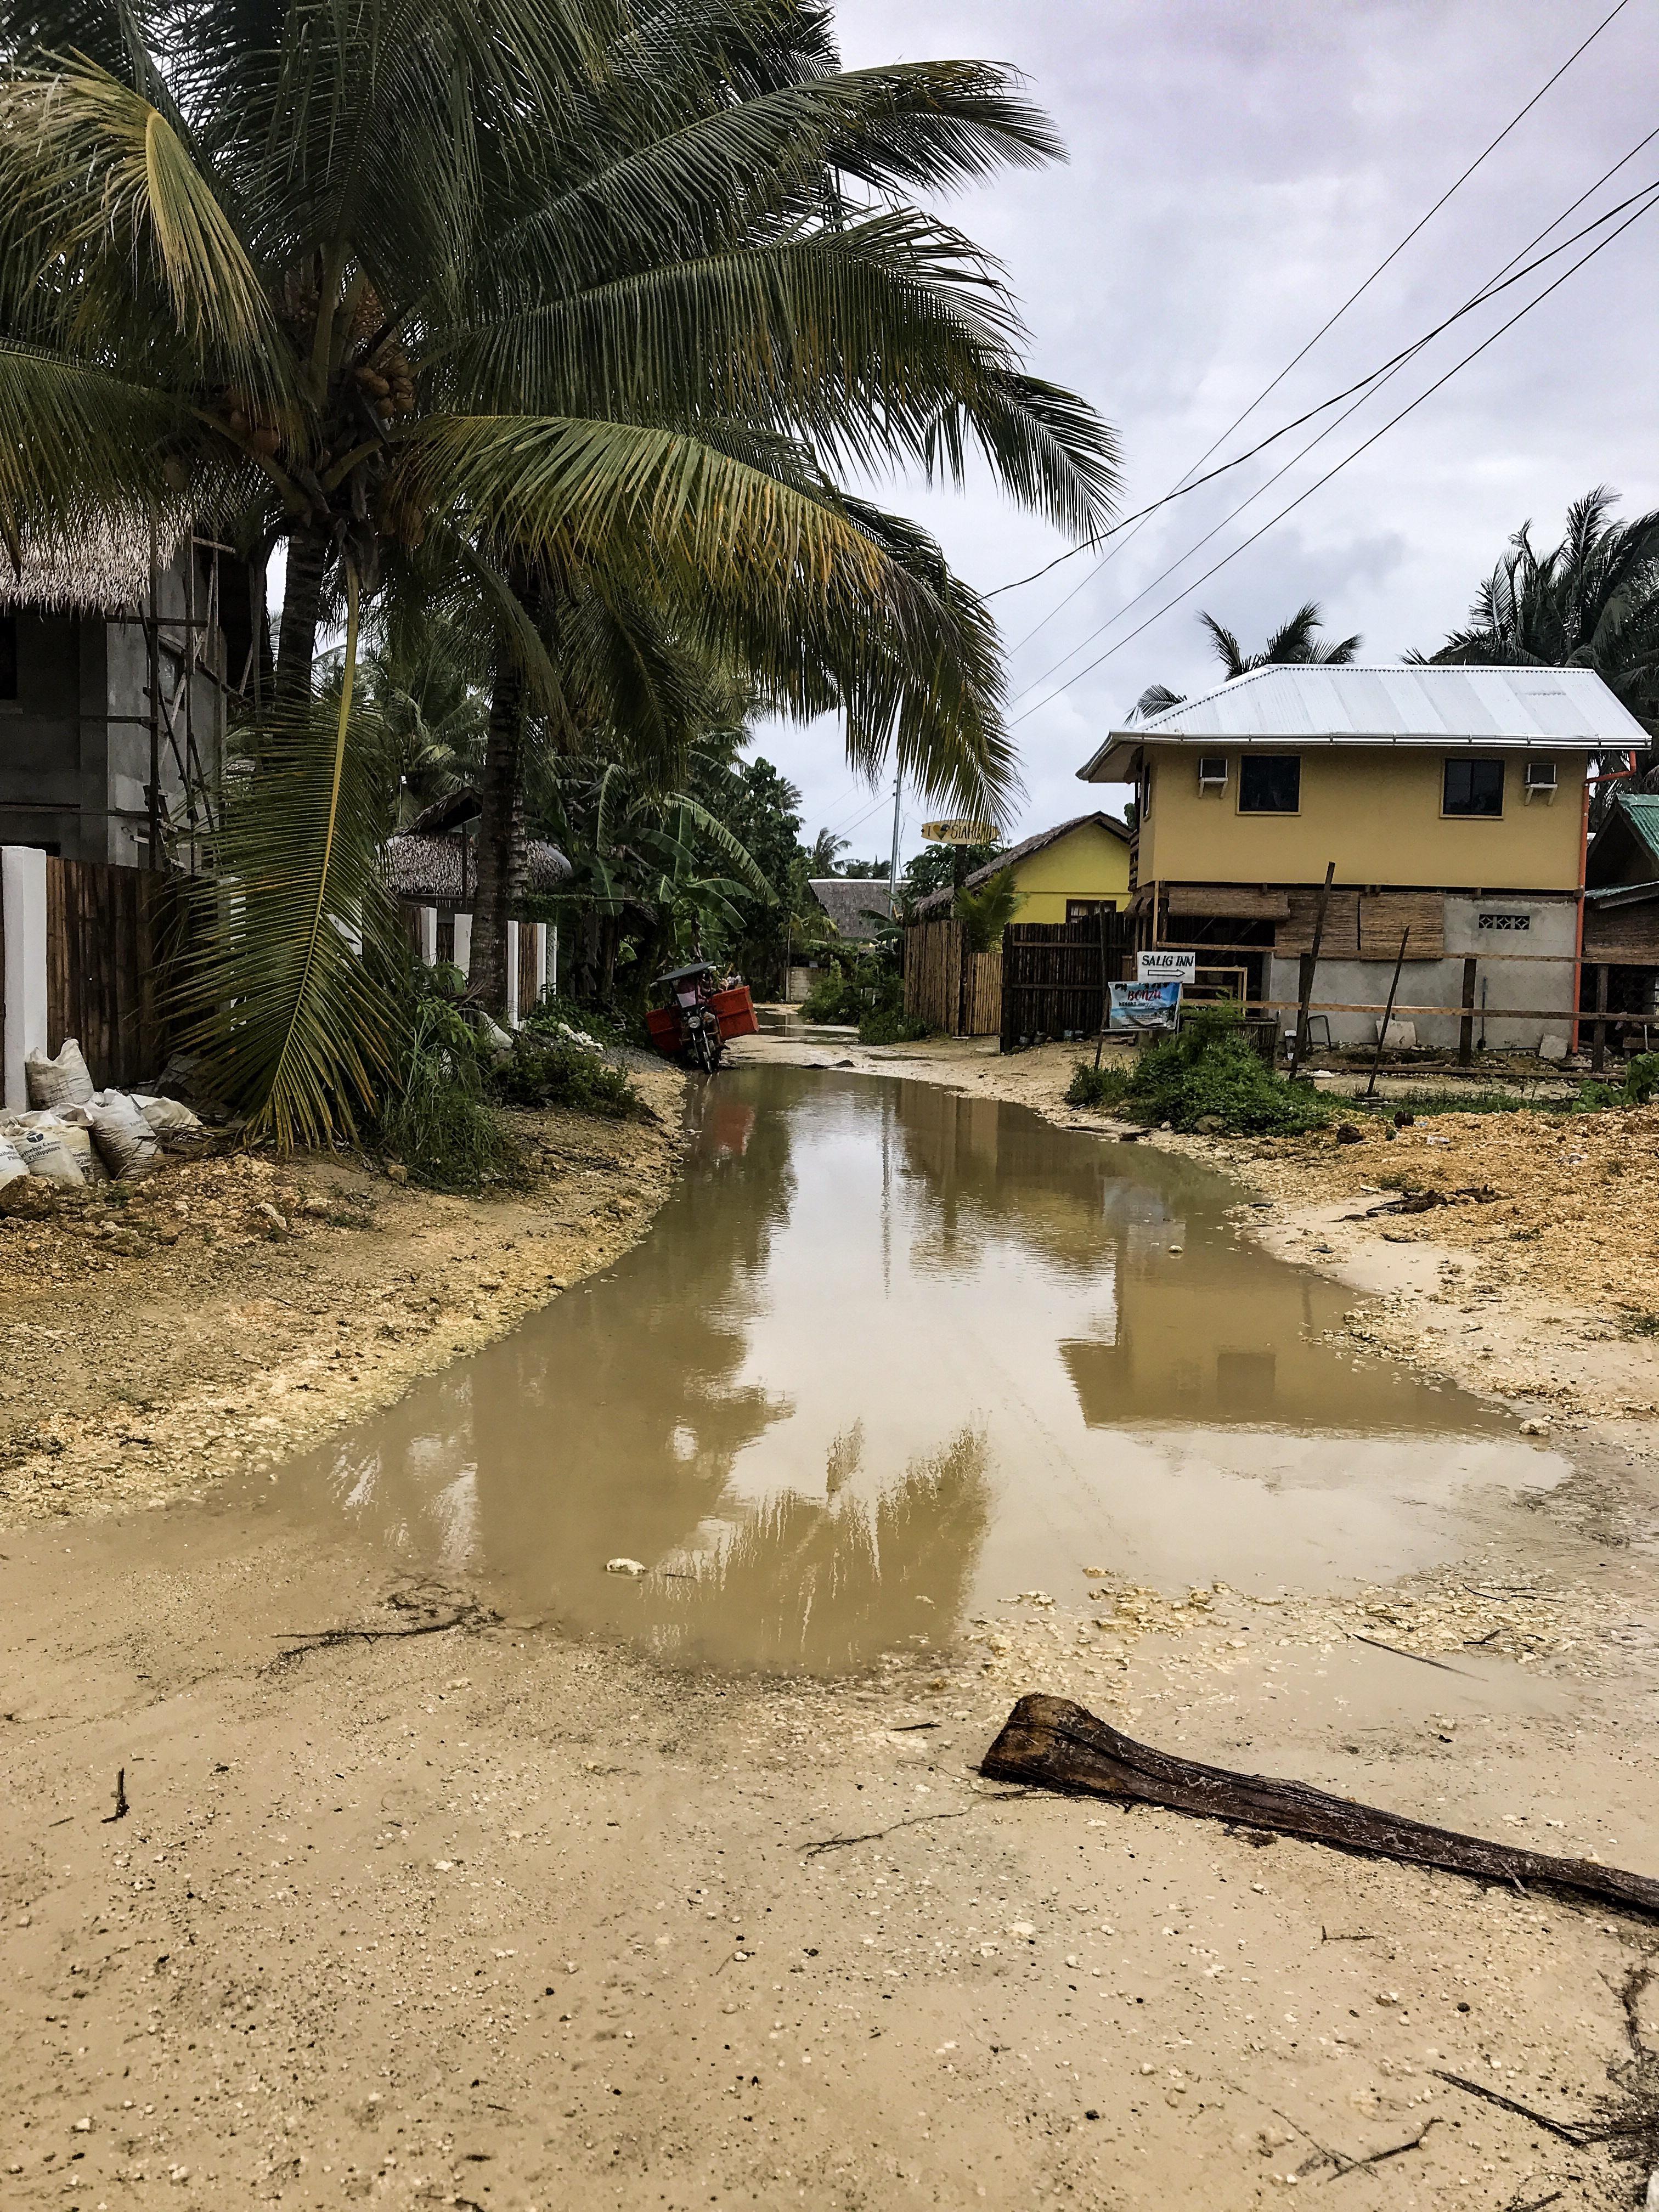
[{"x": 959, "y": 833}]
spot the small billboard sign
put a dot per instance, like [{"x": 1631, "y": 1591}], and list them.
[
  {"x": 1165, "y": 967},
  {"x": 1145, "y": 1006}
]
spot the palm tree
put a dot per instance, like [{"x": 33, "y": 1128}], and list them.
[
  {"x": 1296, "y": 643},
  {"x": 605, "y": 295},
  {"x": 1592, "y": 602},
  {"x": 827, "y": 849},
  {"x": 986, "y": 912}
]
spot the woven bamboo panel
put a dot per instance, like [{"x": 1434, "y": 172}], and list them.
[
  {"x": 1229, "y": 901},
  {"x": 527, "y": 967},
  {"x": 933, "y": 974},
  {"x": 1623, "y": 936},
  {"x": 1364, "y": 925}
]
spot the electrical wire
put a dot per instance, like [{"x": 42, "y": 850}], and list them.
[
  {"x": 1331, "y": 321},
  {"x": 1319, "y": 481},
  {"x": 1366, "y": 390},
  {"x": 1375, "y": 377}
]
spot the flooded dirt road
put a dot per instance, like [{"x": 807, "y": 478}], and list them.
[
  {"x": 890, "y": 1354},
  {"x": 434, "y": 1887}
]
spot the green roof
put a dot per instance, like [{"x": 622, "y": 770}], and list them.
[{"x": 1641, "y": 810}]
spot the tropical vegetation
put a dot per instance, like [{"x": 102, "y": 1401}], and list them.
[
  {"x": 593, "y": 303},
  {"x": 1295, "y": 643},
  {"x": 1592, "y": 602}
]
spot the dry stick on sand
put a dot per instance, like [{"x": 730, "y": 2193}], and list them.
[{"x": 1057, "y": 1745}]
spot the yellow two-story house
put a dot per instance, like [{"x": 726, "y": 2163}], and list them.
[{"x": 1452, "y": 801}]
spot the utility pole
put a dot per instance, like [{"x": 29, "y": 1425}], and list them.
[{"x": 892, "y": 865}]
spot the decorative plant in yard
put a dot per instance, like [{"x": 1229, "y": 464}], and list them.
[
  {"x": 985, "y": 913},
  {"x": 597, "y": 299}
]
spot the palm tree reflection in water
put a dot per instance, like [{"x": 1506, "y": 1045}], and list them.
[{"x": 825, "y": 1584}]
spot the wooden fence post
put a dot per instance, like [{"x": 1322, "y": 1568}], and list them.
[
  {"x": 1599, "y": 1037},
  {"x": 1387, "y": 1015},
  {"x": 1310, "y": 962},
  {"x": 1465, "y": 1027},
  {"x": 1105, "y": 991}
]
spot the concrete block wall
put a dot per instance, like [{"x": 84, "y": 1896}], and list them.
[{"x": 1551, "y": 928}]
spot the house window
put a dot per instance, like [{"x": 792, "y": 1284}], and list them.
[
  {"x": 8, "y": 656},
  {"x": 1086, "y": 910},
  {"x": 1270, "y": 783},
  {"x": 1473, "y": 786}
]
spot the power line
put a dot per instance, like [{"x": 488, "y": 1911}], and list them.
[
  {"x": 1375, "y": 377},
  {"x": 1320, "y": 481},
  {"x": 1331, "y": 320},
  {"x": 1366, "y": 389}
]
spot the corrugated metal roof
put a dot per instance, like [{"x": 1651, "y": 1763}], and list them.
[
  {"x": 1553, "y": 708},
  {"x": 1641, "y": 811}
]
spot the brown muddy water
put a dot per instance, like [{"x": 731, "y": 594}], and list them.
[{"x": 888, "y": 1354}]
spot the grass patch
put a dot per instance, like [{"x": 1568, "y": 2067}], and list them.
[
  {"x": 887, "y": 1025},
  {"x": 1097, "y": 1087},
  {"x": 1210, "y": 1072},
  {"x": 555, "y": 1011}
]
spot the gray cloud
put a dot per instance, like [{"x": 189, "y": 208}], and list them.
[{"x": 1235, "y": 171}]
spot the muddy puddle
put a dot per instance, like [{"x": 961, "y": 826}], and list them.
[{"x": 888, "y": 1355}]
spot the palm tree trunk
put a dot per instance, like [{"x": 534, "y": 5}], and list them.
[
  {"x": 501, "y": 835},
  {"x": 308, "y": 554}
]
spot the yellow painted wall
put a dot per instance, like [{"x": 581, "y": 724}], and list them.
[
  {"x": 1089, "y": 863},
  {"x": 1375, "y": 812}
]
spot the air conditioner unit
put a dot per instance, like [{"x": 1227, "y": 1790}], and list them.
[
  {"x": 1540, "y": 778},
  {"x": 1211, "y": 771}
]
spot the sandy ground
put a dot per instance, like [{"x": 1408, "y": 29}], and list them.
[
  {"x": 229, "y": 1310},
  {"x": 416, "y": 1905}
]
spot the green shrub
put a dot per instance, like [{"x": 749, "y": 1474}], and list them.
[
  {"x": 1210, "y": 1070},
  {"x": 835, "y": 997},
  {"x": 439, "y": 1121},
  {"x": 888, "y": 1026},
  {"x": 540, "y": 1074}
]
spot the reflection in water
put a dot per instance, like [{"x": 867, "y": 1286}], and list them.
[
  {"x": 766, "y": 1399},
  {"x": 802, "y": 1583}
]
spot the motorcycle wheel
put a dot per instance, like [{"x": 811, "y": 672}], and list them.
[{"x": 705, "y": 1057}]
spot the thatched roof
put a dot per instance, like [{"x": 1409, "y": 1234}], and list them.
[
  {"x": 850, "y": 901},
  {"x": 104, "y": 570},
  {"x": 426, "y": 869},
  {"x": 937, "y": 903}
]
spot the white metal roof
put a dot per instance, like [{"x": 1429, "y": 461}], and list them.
[{"x": 1564, "y": 710}]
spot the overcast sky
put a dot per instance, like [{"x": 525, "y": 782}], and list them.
[{"x": 1235, "y": 170}]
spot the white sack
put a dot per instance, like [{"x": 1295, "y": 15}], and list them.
[
  {"x": 43, "y": 1151},
  {"x": 12, "y": 1164},
  {"x": 168, "y": 1117},
  {"x": 53, "y": 1084},
  {"x": 122, "y": 1136}
]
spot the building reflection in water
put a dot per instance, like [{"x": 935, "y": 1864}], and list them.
[{"x": 888, "y": 1349}]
